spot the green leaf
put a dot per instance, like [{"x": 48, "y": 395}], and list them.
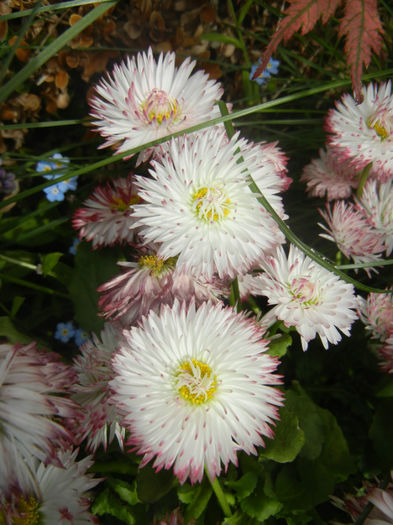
[
  {"x": 224, "y": 39},
  {"x": 17, "y": 302},
  {"x": 279, "y": 347},
  {"x": 386, "y": 390},
  {"x": 92, "y": 268},
  {"x": 8, "y": 330},
  {"x": 151, "y": 485},
  {"x": 124, "y": 490},
  {"x": 260, "y": 506},
  {"x": 202, "y": 495},
  {"x": 185, "y": 493},
  {"x": 236, "y": 519},
  {"x": 245, "y": 485},
  {"x": 288, "y": 439},
  {"x": 108, "y": 503},
  {"x": 49, "y": 261}
]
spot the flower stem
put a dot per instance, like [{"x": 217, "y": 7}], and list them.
[
  {"x": 363, "y": 180},
  {"x": 216, "y": 486}
]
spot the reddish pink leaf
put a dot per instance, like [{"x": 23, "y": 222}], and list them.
[
  {"x": 300, "y": 14},
  {"x": 362, "y": 29}
]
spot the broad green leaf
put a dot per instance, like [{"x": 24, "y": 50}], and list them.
[
  {"x": 92, "y": 268},
  {"x": 17, "y": 302},
  {"x": 124, "y": 490},
  {"x": 279, "y": 347},
  {"x": 8, "y": 330},
  {"x": 244, "y": 486},
  {"x": 260, "y": 506},
  {"x": 151, "y": 485},
  {"x": 202, "y": 495},
  {"x": 49, "y": 261},
  {"x": 186, "y": 493},
  {"x": 108, "y": 503},
  {"x": 288, "y": 439}
]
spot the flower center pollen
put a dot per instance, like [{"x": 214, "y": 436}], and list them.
[
  {"x": 156, "y": 264},
  {"x": 159, "y": 107},
  {"x": 211, "y": 204},
  {"x": 22, "y": 512},
  {"x": 303, "y": 291},
  {"x": 381, "y": 122},
  {"x": 195, "y": 381}
]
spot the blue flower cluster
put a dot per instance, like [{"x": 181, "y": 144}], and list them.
[
  {"x": 271, "y": 69},
  {"x": 66, "y": 331},
  {"x": 56, "y": 164}
]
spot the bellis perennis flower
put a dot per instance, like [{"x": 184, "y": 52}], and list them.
[
  {"x": 195, "y": 386},
  {"x": 307, "y": 296},
  {"x": 145, "y": 99},
  {"x": 105, "y": 218},
  {"x": 197, "y": 205},
  {"x": 363, "y": 133}
]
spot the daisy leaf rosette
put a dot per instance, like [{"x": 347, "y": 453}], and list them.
[
  {"x": 195, "y": 386},
  {"x": 363, "y": 133},
  {"x": 197, "y": 205},
  {"x": 306, "y": 296},
  {"x": 145, "y": 99}
]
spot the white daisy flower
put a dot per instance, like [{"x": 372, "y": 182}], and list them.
[
  {"x": 363, "y": 133},
  {"x": 376, "y": 202},
  {"x": 376, "y": 313},
  {"x": 33, "y": 492},
  {"x": 307, "y": 296},
  {"x": 195, "y": 386},
  {"x": 105, "y": 218},
  {"x": 100, "y": 422},
  {"x": 32, "y": 388},
  {"x": 145, "y": 99},
  {"x": 197, "y": 205}
]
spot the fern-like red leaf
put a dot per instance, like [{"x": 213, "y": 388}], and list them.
[
  {"x": 362, "y": 29},
  {"x": 302, "y": 14}
]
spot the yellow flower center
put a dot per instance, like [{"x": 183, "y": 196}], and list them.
[
  {"x": 119, "y": 204},
  {"x": 156, "y": 264},
  {"x": 195, "y": 381},
  {"x": 378, "y": 127},
  {"x": 211, "y": 204},
  {"x": 304, "y": 292},
  {"x": 21, "y": 512},
  {"x": 159, "y": 107}
]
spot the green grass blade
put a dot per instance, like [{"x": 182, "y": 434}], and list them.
[
  {"x": 53, "y": 48},
  {"x": 49, "y": 8}
]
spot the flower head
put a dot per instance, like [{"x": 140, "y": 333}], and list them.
[
  {"x": 64, "y": 331},
  {"x": 195, "y": 386},
  {"x": 363, "y": 133},
  {"x": 355, "y": 237},
  {"x": 147, "y": 284},
  {"x": 33, "y": 492},
  {"x": 100, "y": 422},
  {"x": 145, "y": 99},
  {"x": 32, "y": 384},
  {"x": 376, "y": 312},
  {"x": 105, "y": 218},
  {"x": 53, "y": 169},
  {"x": 326, "y": 176},
  {"x": 197, "y": 205},
  {"x": 54, "y": 193},
  {"x": 271, "y": 69},
  {"x": 306, "y": 296}
]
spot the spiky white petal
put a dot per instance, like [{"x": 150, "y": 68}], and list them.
[
  {"x": 194, "y": 386},
  {"x": 197, "y": 205},
  {"x": 145, "y": 99},
  {"x": 307, "y": 296},
  {"x": 363, "y": 133}
]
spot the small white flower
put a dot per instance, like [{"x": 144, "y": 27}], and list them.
[
  {"x": 100, "y": 422},
  {"x": 363, "y": 133},
  {"x": 32, "y": 384},
  {"x": 307, "y": 296},
  {"x": 33, "y": 492},
  {"x": 194, "y": 386},
  {"x": 145, "y": 99},
  {"x": 198, "y": 206}
]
